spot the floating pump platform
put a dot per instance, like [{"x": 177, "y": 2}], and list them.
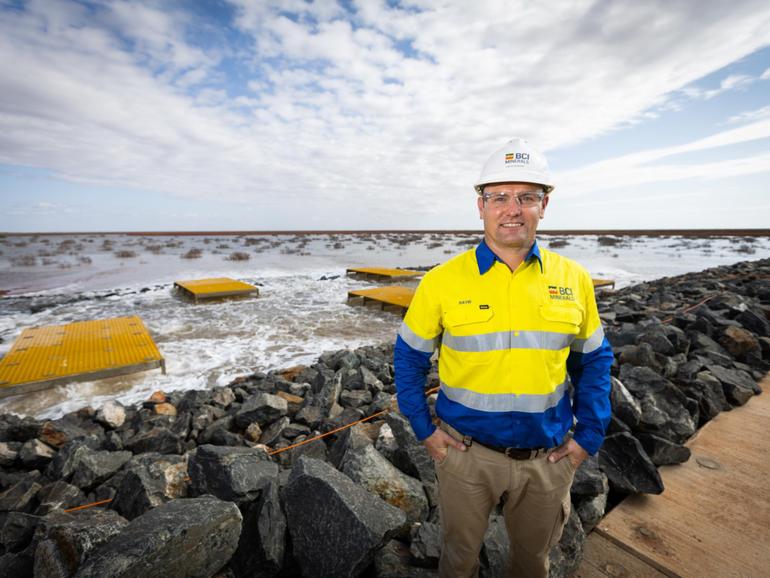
[
  {"x": 43, "y": 357},
  {"x": 215, "y": 288},
  {"x": 602, "y": 283},
  {"x": 393, "y": 295},
  {"x": 382, "y": 273}
]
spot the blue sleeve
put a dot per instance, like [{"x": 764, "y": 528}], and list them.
[
  {"x": 590, "y": 376},
  {"x": 411, "y": 368}
]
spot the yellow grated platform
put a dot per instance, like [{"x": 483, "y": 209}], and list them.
[
  {"x": 383, "y": 273},
  {"x": 599, "y": 283},
  {"x": 395, "y": 295},
  {"x": 212, "y": 288},
  {"x": 43, "y": 357}
]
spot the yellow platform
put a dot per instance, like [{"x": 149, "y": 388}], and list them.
[
  {"x": 599, "y": 283},
  {"x": 382, "y": 273},
  {"x": 395, "y": 295},
  {"x": 213, "y": 288},
  {"x": 43, "y": 357}
]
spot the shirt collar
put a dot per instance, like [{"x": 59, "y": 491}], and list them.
[{"x": 485, "y": 257}]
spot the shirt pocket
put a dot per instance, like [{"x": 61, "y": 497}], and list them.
[
  {"x": 468, "y": 333},
  {"x": 561, "y": 319}
]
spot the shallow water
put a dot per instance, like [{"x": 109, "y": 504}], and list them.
[{"x": 302, "y": 309}]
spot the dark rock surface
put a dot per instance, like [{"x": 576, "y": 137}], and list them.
[
  {"x": 185, "y": 538},
  {"x": 335, "y": 525}
]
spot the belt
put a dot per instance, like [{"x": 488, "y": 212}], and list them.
[{"x": 518, "y": 453}]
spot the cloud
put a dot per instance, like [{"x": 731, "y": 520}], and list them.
[
  {"x": 651, "y": 166},
  {"x": 359, "y": 115},
  {"x": 43, "y": 208}
]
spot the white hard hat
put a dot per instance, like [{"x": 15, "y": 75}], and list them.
[{"x": 516, "y": 162}]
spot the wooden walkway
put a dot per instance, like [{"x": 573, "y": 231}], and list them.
[{"x": 712, "y": 519}]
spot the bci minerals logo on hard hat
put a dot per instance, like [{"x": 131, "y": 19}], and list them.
[{"x": 517, "y": 158}]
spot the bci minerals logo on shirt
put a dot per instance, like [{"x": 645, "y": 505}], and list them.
[{"x": 560, "y": 293}]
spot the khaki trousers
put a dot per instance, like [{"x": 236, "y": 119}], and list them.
[{"x": 537, "y": 506}]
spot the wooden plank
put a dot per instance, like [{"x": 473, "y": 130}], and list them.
[
  {"x": 214, "y": 288},
  {"x": 396, "y": 295},
  {"x": 713, "y": 518},
  {"x": 602, "y": 558},
  {"x": 382, "y": 272}
]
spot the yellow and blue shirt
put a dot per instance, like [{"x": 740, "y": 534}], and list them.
[{"x": 510, "y": 344}]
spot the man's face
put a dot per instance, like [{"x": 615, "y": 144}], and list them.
[{"x": 511, "y": 226}]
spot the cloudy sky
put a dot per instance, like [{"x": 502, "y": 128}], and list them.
[{"x": 373, "y": 114}]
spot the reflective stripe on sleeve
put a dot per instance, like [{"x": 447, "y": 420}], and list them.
[
  {"x": 591, "y": 344},
  {"x": 508, "y": 340},
  {"x": 415, "y": 341},
  {"x": 497, "y": 402}
]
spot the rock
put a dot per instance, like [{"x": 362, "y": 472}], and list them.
[
  {"x": 350, "y": 439},
  {"x": 425, "y": 545},
  {"x": 185, "y": 538},
  {"x": 262, "y": 544},
  {"x": 393, "y": 560},
  {"x": 589, "y": 479},
  {"x": 315, "y": 449},
  {"x": 253, "y": 432},
  {"x": 628, "y": 468},
  {"x": 624, "y": 405},
  {"x": 165, "y": 409},
  {"x": 355, "y": 398},
  {"x": 64, "y": 540},
  {"x": 591, "y": 510},
  {"x": 664, "y": 406},
  {"x": 754, "y": 321},
  {"x": 9, "y": 451},
  {"x": 565, "y": 557},
  {"x": 223, "y": 397},
  {"x": 111, "y": 415},
  {"x": 20, "y": 496},
  {"x": 158, "y": 397},
  {"x": 737, "y": 341},
  {"x": 17, "y": 530},
  {"x": 229, "y": 473},
  {"x": 274, "y": 431},
  {"x": 94, "y": 468},
  {"x": 157, "y": 440},
  {"x": 262, "y": 408},
  {"x": 329, "y": 395},
  {"x": 495, "y": 550},
  {"x": 386, "y": 443},
  {"x": 149, "y": 481},
  {"x": 294, "y": 430},
  {"x": 58, "y": 495},
  {"x": 17, "y": 563},
  {"x": 663, "y": 452},
  {"x": 656, "y": 337},
  {"x": 294, "y": 402},
  {"x": 16, "y": 429},
  {"x": 367, "y": 467},
  {"x": 35, "y": 455},
  {"x": 60, "y": 432},
  {"x": 335, "y": 526},
  {"x": 738, "y": 386},
  {"x": 411, "y": 457},
  {"x": 310, "y": 415},
  {"x": 65, "y": 462}
]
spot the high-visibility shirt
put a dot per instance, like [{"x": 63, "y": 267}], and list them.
[{"x": 511, "y": 343}]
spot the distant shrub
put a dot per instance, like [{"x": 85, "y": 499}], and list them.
[
  {"x": 467, "y": 242},
  {"x": 85, "y": 260},
  {"x": 24, "y": 261},
  {"x": 748, "y": 249},
  {"x": 192, "y": 254},
  {"x": 125, "y": 254},
  {"x": 557, "y": 243},
  {"x": 434, "y": 245},
  {"x": 223, "y": 246},
  {"x": 48, "y": 261},
  {"x": 155, "y": 249},
  {"x": 239, "y": 256}
]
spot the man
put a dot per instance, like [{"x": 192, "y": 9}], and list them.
[{"x": 512, "y": 321}]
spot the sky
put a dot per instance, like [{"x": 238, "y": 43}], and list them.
[{"x": 347, "y": 115}]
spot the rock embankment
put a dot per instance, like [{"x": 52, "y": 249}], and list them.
[{"x": 194, "y": 483}]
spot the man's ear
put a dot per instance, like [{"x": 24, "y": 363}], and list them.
[
  {"x": 480, "y": 205},
  {"x": 544, "y": 205}
]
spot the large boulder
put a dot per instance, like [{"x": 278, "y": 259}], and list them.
[
  {"x": 149, "y": 481},
  {"x": 230, "y": 473},
  {"x": 565, "y": 557},
  {"x": 58, "y": 495},
  {"x": 184, "y": 538},
  {"x": 64, "y": 540},
  {"x": 367, "y": 467},
  {"x": 20, "y": 496},
  {"x": 262, "y": 545},
  {"x": 738, "y": 386},
  {"x": 411, "y": 456},
  {"x": 34, "y": 454},
  {"x": 664, "y": 406},
  {"x": 335, "y": 525},
  {"x": 262, "y": 408},
  {"x": 628, "y": 467}
]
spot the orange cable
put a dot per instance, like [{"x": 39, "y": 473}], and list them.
[{"x": 91, "y": 505}]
